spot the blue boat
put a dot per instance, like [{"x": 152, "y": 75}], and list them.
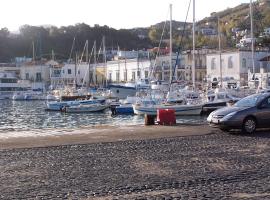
[{"x": 124, "y": 109}]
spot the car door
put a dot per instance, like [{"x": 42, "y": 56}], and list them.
[{"x": 263, "y": 114}]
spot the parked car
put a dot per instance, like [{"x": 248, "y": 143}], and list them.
[{"x": 247, "y": 114}]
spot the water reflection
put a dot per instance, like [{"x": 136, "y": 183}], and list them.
[{"x": 29, "y": 115}]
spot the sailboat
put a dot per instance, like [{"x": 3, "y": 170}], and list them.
[{"x": 183, "y": 108}]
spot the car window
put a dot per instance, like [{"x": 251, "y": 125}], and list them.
[
  {"x": 249, "y": 101},
  {"x": 266, "y": 103}
]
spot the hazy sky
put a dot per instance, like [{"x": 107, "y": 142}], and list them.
[{"x": 114, "y": 13}]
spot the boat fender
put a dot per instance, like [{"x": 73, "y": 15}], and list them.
[
  {"x": 113, "y": 109},
  {"x": 64, "y": 109}
]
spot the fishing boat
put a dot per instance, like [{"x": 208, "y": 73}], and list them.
[
  {"x": 218, "y": 99},
  {"x": 151, "y": 108},
  {"x": 81, "y": 108},
  {"x": 125, "y": 106},
  {"x": 59, "y": 105}
]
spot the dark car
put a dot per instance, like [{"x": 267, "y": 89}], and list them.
[{"x": 247, "y": 114}]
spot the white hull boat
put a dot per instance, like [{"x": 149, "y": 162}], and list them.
[
  {"x": 179, "y": 109},
  {"x": 122, "y": 91},
  {"x": 85, "y": 108},
  {"x": 58, "y": 106}
]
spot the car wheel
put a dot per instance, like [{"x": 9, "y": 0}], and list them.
[{"x": 249, "y": 125}]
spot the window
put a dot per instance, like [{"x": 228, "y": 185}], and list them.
[
  {"x": 110, "y": 76},
  {"x": 63, "y": 71},
  {"x": 27, "y": 76},
  {"x": 266, "y": 103},
  {"x": 125, "y": 76},
  {"x": 146, "y": 74},
  {"x": 69, "y": 71},
  {"x": 213, "y": 63},
  {"x": 133, "y": 76},
  {"x": 79, "y": 72},
  {"x": 117, "y": 76},
  {"x": 222, "y": 62},
  {"x": 244, "y": 63},
  {"x": 200, "y": 63},
  {"x": 138, "y": 74},
  {"x": 230, "y": 62},
  {"x": 38, "y": 77}
]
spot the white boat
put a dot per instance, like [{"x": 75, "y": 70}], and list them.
[
  {"x": 85, "y": 108},
  {"x": 10, "y": 84},
  {"x": 218, "y": 99},
  {"x": 28, "y": 96},
  {"x": 122, "y": 91},
  {"x": 59, "y": 105},
  {"x": 179, "y": 109},
  {"x": 51, "y": 97},
  {"x": 18, "y": 97}
]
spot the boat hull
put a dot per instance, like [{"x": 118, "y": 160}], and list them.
[
  {"x": 58, "y": 106},
  {"x": 122, "y": 92},
  {"x": 179, "y": 109},
  {"x": 209, "y": 107},
  {"x": 85, "y": 108},
  {"x": 124, "y": 109}
]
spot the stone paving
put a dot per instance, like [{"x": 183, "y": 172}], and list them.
[{"x": 215, "y": 166}]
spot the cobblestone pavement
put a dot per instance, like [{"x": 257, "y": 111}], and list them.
[{"x": 216, "y": 166}]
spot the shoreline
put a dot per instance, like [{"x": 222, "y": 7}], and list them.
[{"x": 103, "y": 134}]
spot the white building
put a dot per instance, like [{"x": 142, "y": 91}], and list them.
[
  {"x": 70, "y": 74},
  {"x": 131, "y": 70},
  {"x": 37, "y": 72},
  {"x": 128, "y": 70},
  {"x": 262, "y": 76},
  {"x": 233, "y": 65}
]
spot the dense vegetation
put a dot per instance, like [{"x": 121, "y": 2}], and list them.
[{"x": 60, "y": 40}]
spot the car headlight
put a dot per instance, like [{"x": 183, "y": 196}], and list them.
[
  {"x": 230, "y": 115},
  {"x": 209, "y": 118}
]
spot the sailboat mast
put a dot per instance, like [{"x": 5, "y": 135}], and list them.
[
  {"x": 86, "y": 51},
  {"x": 118, "y": 62},
  {"x": 75, "y": 81},
  {"x": 33, "y": 46},
  {"x": 252, "y": 36},
  {"x": 193, "y": 44},
  {"x": 95, "y": 63},
  {"x": 105, "y": 61},
  {"x": 219, "y": 49},
  {"x": 171, "y": 43}
]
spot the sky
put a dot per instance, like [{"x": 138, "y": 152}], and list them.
[{"x": 113, "y": 13}]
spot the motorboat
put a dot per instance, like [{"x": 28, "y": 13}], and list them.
[
  {"x": 217, "y": 99},
  {"x": 150, "y": 107},
  {"x": 85, "y": 108},
  {"x": 59, "y": 105}
]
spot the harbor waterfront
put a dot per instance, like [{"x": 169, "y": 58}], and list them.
[
  {"x": 30, "y": 117},
  {"x": 98, "y": 113}
]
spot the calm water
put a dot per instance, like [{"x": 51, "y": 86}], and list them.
[{"x": 31, "y": 116}]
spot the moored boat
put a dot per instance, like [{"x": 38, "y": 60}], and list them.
[
  {"x": 59, "y": 105},
  {"x": 85, "y": 108},
  {"x": 179, "y": 109}
]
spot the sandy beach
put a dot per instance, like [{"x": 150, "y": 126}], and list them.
[{"x": 99, "y": 134}]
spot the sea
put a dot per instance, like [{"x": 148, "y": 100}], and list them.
[{"x": 27, "y": 118}]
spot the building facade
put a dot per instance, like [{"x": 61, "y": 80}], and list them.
[{"x": 232, "y": 66}]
